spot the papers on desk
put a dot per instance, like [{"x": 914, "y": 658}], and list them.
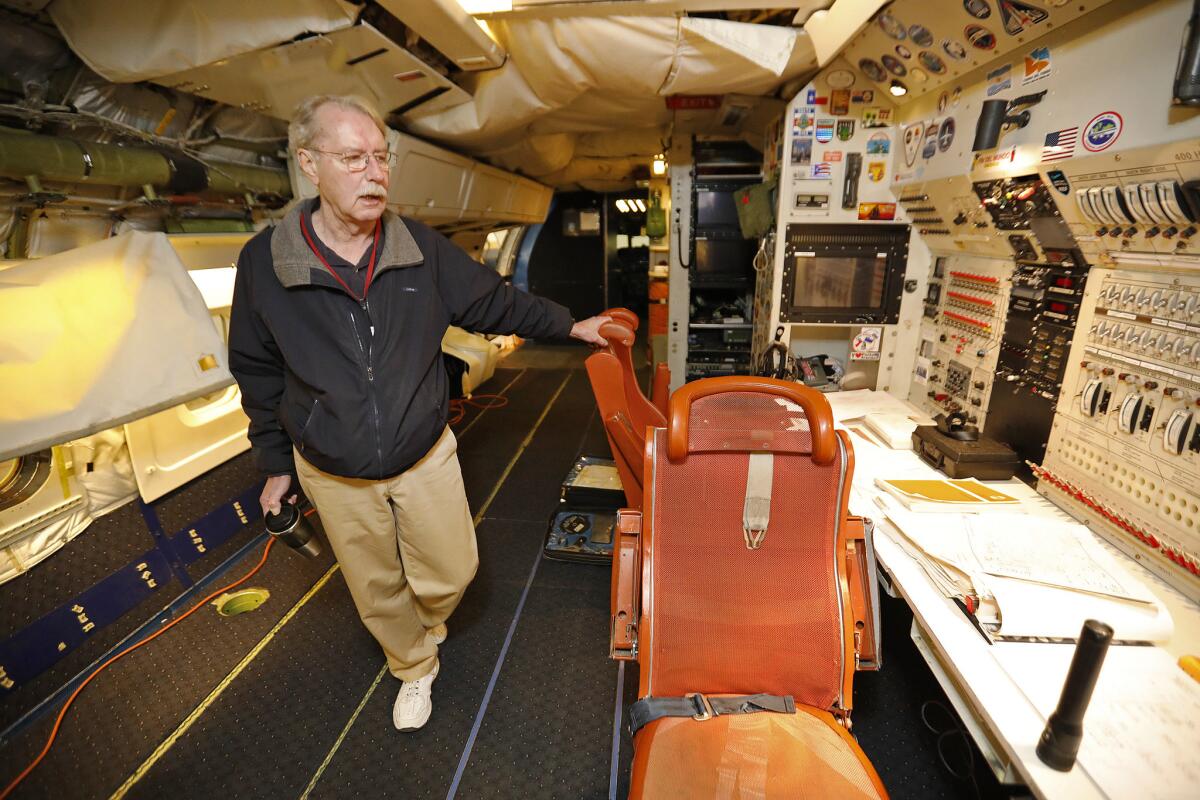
[
  {"x": 1030, "y": 576},
  {"x": 943, "y": 494},
  {"x": 1142, "y": 727}
]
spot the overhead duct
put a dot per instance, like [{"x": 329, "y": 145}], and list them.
[
  {"x": 453, "y": 32},
  {"x": 55, "y": 158},
  {"x": 172, "y": 35}
]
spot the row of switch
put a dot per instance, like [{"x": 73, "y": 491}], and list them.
[
  {"x": 1182, "y": 349},
  {"x": 1159, "y": 302},
  {"x": 1155, "y": 203},
  {"x": 1149, "y": 539},
  {"x": 1136, "y": 410}
]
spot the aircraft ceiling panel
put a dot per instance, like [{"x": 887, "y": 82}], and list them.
[
  {"x": 358, "y": 60},
  {"x": 927, "y": 44}
]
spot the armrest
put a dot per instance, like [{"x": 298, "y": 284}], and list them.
[
  {"x": 626, "y": 580},
  {"x": 660, "y": 388},
  {"x": 864, "y": 593}
]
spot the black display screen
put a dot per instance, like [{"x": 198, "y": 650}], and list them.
[
  {"x": 715, "y": 208},
  {"x": 839, "y": 281},
  {"x": 723, "y": 259}
]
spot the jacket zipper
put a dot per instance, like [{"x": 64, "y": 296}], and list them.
[{"x": 368, "y": 352}]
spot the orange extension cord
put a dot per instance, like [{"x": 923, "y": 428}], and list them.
[
  {"x": 458, "y": 410},
  {"x": 67, "y": 705}
]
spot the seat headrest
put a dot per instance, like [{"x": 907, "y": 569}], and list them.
[{"x": 754, "y": 416}]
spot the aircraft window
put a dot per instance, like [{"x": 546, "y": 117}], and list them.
[{"x": 492, "y": 247}]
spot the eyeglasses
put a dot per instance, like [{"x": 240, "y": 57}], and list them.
[{"x": 357, "y": 162}]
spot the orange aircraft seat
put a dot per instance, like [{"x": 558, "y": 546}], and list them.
[
  {"x": 624, "y": 409},
  {"x": 744, "y": 589}
]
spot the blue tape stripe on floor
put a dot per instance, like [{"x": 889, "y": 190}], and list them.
[
  {"x": 618, "y": 713},
  {"x": 487, "y": 695},
  {"x": 164, "y": 542},
  {"x": 217, "y": 527}
]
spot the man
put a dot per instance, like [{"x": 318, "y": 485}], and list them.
[{"x": 335, "y": 340}]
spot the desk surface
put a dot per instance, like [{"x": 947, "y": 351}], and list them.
[{"x": 1005, "y": 691}]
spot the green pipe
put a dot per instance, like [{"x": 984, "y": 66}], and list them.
[{"x": 55, "y": 158}]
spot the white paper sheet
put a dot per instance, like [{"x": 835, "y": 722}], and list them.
[{"x": 1141, "y": 732}]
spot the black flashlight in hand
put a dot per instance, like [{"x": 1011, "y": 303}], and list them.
[
  {"x": 291, "y": 528},
  {"x": 1064, "y": 730}
]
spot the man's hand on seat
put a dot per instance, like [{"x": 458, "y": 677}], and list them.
[{"x": 589, "y": 330}]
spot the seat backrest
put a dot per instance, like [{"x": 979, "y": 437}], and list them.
[
  {"x": 625, "y": 411},
  {"x": 719, "y": 616}
]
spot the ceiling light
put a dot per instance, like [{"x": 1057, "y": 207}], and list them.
[
  {"x": 623, "y": 206},
  {"x": 485, "y": 6},
  {"x": 659, "y": 165},
  {"x": 641, "y": 205},
  {"x": 898, "y": 89}
]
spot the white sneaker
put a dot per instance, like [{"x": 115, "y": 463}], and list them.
[
  {"x": 438, "y": 633},
  {"x": 414, "y": 704}
]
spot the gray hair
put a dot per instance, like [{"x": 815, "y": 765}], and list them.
[{"x": 303, "y": 129}]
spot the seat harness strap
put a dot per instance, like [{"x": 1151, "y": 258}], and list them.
[
  {"x": 701, "y": 707},
  {"x": 756, "y": 512}
]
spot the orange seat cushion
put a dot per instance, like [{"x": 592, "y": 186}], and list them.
[{"x": 766, "y": 755}]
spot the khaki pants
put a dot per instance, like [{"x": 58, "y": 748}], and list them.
[{"x": 406, "y": 546}]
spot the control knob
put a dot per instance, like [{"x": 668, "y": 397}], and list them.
[{"x": 1170, "y": 231}]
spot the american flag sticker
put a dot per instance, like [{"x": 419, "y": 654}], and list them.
[{"x": 1060, "y": 144}]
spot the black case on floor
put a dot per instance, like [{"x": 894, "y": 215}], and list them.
[{"x": 985, "y": 459}]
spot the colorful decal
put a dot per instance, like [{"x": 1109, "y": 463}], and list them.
[
  {"x": 870, "y": 117},
  {"x": 979, "y": 37},
  {"x": 894, "y": 66},
  {"x": 872, "y": 69},
  {"x": 822, "y": 170},
  {"x": 1059, "y": 181},
  {"x": 1017, "y": 14},
  {"x": 1059, "y": 144},
  {"x": 824, "y": 131},
  {"x": 912, "y": 143},
  {"x": 801, "y": 151},
  {"x": 865, "y": 96},
  {"x": 831, "y": 155},
  {"x": 903, "y": 51},
  {"x": 875, "y": 171},
  {"x": 920, "y": 36},
  {"x": 931, "y": 62},
  {"x": 979, "y": 9},
  {"x": 876, "y": 211},
  {"x": 1102, "y": 131},
  {"x": 845, "y": 130},
  {"x": 884, "y": 117},
  {"x": 999, "y": 79},
  {"x": 1037, "y": 65},
  {"x": 840, "y": 79},
  {"x": 954, "y": 49},
  {"x": 803, "y": 121},
  {"x": 839, "y": 102},
  {"x": 931, "y": 141},
  {"x": 997, "y": 159},
  {"x": 865, "y": 344},
  {"x": 946, "y": 134},
  {"x": 879, "y": 144},
  {"x": 892, "y": 26},
  {"x": 943, "y": 101}
]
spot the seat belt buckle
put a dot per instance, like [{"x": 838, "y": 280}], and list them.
[{"x": 704, "y": 708}]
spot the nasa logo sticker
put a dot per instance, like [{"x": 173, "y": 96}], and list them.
[{"x": 1102, "y": 131}]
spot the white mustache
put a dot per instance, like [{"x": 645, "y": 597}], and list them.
[{"x": 373, "y": 190}]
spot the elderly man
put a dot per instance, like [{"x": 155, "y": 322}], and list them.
[{"x": 335, "y": 340}]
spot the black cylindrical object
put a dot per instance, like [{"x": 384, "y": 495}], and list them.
[
  {"x": 1064, "y": 730},
  {"x": 1186, "y": 90},
  {"x": 290, "y": 527},
  {"x": 991, "y": 120}
]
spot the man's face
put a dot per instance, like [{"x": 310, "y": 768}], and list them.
[{"x": 359, "y": 196}]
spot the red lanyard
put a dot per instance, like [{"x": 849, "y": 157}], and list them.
[{"x": 338, "y": 278}]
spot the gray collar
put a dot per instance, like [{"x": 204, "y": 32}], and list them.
[{"x": 296, "y": 264}]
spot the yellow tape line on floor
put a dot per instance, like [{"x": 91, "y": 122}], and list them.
[{"x": 221, "y": 687}]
